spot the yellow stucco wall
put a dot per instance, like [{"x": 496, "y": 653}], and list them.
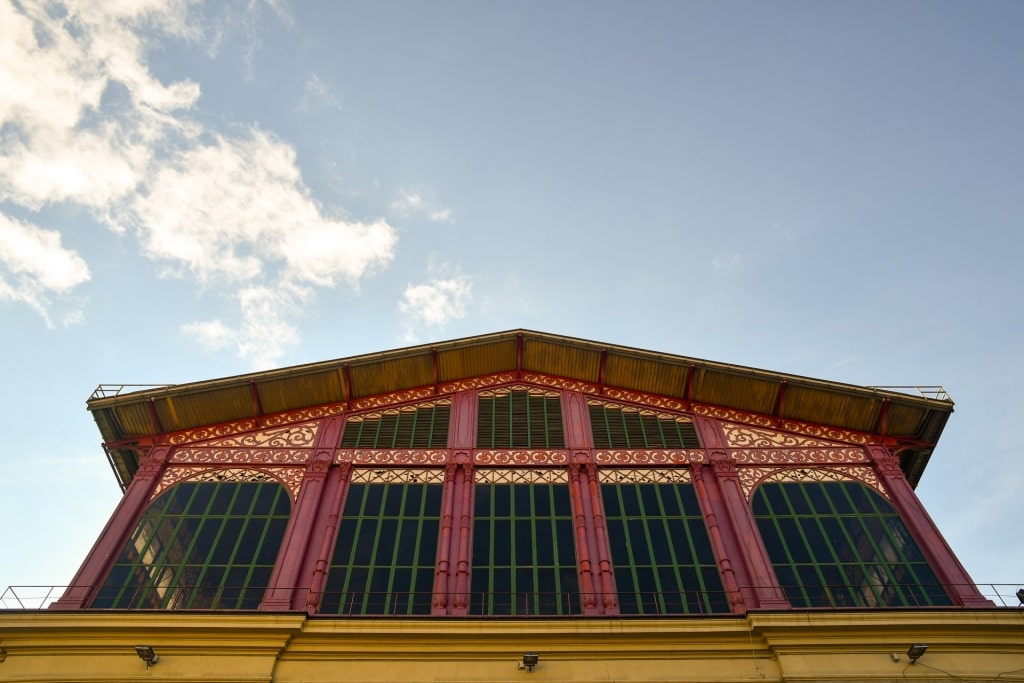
[{"x": 975, "y": 645}]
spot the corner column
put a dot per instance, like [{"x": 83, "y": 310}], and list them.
[
  {"x": 116, "y": 532},
  {"x": 940, "y": 556}
]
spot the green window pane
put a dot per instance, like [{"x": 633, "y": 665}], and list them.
[
  {"x": 840, "y": 544},
  {"x": 519, "y": 419},
  {"x": 617, "y": 427},
  {"x": 414, "y": 427},
  {"x": 385, "y": 551},
  {"x": 524, "y": 556},
  {"x": 661, "y": 550},
  {"x": 201, "y": 545}
]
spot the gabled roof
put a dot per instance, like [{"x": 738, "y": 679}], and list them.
[{"x": 127, "y": 421}]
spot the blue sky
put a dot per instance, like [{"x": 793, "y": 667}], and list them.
[{"x": 193, "y": 190}]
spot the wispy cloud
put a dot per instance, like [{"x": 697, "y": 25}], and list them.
[
  {"x": 727, "y": 263},
  {"x": 86, "y": 123},
  {"x": 434, "y": 303},
  {"x": 35, "y": 267},
  {"x": 316, "y": 92},
  {"x": 413, "y": 203}
]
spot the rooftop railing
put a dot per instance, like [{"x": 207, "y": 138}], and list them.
[{"x": 520, "y": 604}]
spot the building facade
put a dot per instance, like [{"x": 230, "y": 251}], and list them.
[{"x": 438, "y": 512}]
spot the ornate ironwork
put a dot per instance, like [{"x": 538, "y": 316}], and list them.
[
  {"x": 825, "y": 432},
  {"x": 642, "y": 411},
  {"x": 477, "y": 382},
  {"x": 392, "y": 398},
  {"x": 401, "y": 475},
  {"x": 305, "y": 414},
  {"x": 239, "y": 456},
  {"x": 204, "y": 433},
  {"x": 495, "y": 475},
  {"x": 535, "y": 391},
  {"x": 521, "y": 457},
  {"x": 290, "y": 477},
  {"x": 394, "y": 411},
  {"x": 397, "y": 456},
  {"x": 646, "y": 399},
  {"x": 298, "y": 436},
  {"x": 731, "y": 415},
  {"x": 740, "y": 436},
  {"x": 783, "y": 456},
  {"x": 559, "y": 383},
  {"x": 650, "y": 457},
  {"x": 651, "y": 475},
  {"x": 751, "y": 477}
]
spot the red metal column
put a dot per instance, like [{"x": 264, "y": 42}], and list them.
[
  {"x": 443, "y": 574},
  {"x": 335, "y": 490},
  {"x": 603, "y": 555},
  {"x": 461, "y": 442},
  {"x": 580, "y": 525},
  {"x": 298, "y": 536},
  {"x": 736, "y": 523},
  {"x": 718, "y": 544},
  {"x": 116, "y": 533},
  {"x": 940, "y": 556}
]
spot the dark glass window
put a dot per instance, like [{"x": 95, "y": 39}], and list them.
[
  {"x": 840, "y": 544},
  {"x": 617, "y": 427},
  {"x": 386, "y": 548},
  {"x": 201, "y": 545},
  {"x": 413, "y": 427},
  {"x": 519, "y": 419},
  {"x": 524, "y": 552},
  {"x": 661, "y": 550}
]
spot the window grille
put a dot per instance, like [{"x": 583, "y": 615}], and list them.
[
  {"x": 524, "y": 552},
  {"x": 840, "y": 544},
  {"x": 659, "y": 544},
  {"x": 623, "y": 427},
  {"x": 383, "y": 561},
  {"x": 201, "y": 545},
  {"x": 411, "y": 427},
  {"x": 519, "y": 419}
]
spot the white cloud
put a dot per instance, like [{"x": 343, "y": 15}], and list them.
[
  {"x": 85, "y": 122},
  {"x": 263, "y": 333},
  {"x": 34, "y": 266},
  {"x": 727, "y": 263},
  {"x": 412, "y": 203},
  {"x": 435, "y": 303},
  {"x": 318, "y": 92}
]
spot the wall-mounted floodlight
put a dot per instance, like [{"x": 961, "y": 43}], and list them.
[
  {"x": 1020, "y": 595},
  {"x": 530, "y": 660},
  {"x": 916, "y": 652},
  {"x": 146, "y": 654}
]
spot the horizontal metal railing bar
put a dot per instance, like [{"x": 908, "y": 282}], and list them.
[{"x": 523, "y": 603}]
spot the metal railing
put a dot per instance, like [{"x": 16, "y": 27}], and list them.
[
  {"x": 519, "y": 604},
  {"x": 114, "y": 390}
]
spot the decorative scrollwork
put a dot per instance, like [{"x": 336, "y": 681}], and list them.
[
  {"x": 731, "y": 415},
  {"x": 392, "y": 457},
  {"x": 642, "y": 411},
  {"x": 525, "y": 457},
  {"x": 392, "y": 398},
  {"x": 239, "y": 456},
  {"x": 651, "y": 475},
  {"x": 559, "y": 383},
  {"x": 400, "y": 475},
  {"x": 535, "y": 391},
  {"x": 785, "y": 456},
  {"x": 748, "y": 437},
  {"x": 290, "y": 477},
  {"x": 305, "y": 414},
  {"x": 646, "y": 399},
  {"x": 296, "y": 436},
  {"x": 204, "y": 433},
  {"x": 377, "y": 414},
  {"x": 477, "y": 382},
  {"x": 494, "y": 475},
  {"x": 751, "y": 477},
  {"x": 649, "y": 457},
  {"x": 825, "y": 432}
]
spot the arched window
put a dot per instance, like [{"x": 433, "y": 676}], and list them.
[
  {"x": 201, "y": 545},
  {"x": 841, "y": 544}
]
